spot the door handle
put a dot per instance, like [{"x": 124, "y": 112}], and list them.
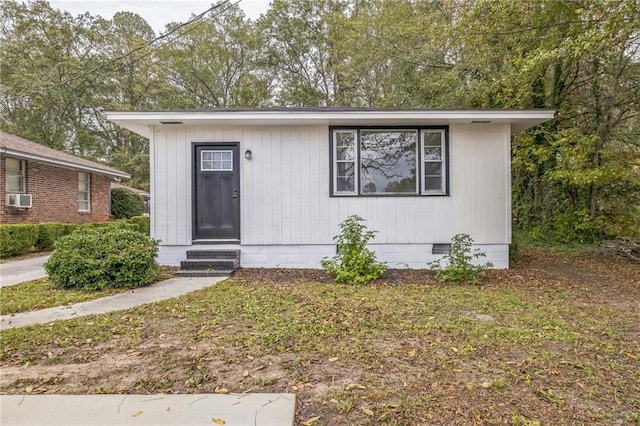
[{"x": 235, "y": 193}]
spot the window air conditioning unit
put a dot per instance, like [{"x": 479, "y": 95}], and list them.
[{"x": 19, "y": 200}]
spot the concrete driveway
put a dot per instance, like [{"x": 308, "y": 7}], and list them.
[{"x": 19, "y": 271}]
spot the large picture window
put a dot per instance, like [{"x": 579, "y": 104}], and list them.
[{"x": 389, "y": 161}]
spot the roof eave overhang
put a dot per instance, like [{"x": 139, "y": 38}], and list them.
[
  {"x": 142, "y": 123},
  {"x": 65, "y": 164}
]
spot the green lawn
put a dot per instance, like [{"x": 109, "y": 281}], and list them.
[{"x": 555, "y": 340}]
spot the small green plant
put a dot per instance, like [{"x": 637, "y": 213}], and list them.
[
  {"x": 96, "y": 258},
  {"x": 354, "y": 263},
  {"x": 457, "y": 266}
]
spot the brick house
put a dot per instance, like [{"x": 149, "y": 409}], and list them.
[{"x": 41, "y": 184}]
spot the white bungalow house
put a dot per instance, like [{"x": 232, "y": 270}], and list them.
[{"x": 274, "y": 184}]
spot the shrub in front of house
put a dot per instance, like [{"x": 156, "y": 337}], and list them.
[
  {"x": 122, "y": 223},
  {"x": 48, "y": 233},
  {"x": 17, "y": 239},
  {"x": 354, "y": 263},
  {"x": 95, "y": 258},
  {"x": 142, "y": 224},
  {"x": 126, "y": 204},
  {"x": 458, "y": 267}
]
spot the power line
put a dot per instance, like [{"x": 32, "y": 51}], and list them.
[
  {"x": 150, "y": 52},
  {"x": 131, "y": 52}
]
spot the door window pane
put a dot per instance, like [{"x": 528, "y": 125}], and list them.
[{"x": 217, "y": 161}]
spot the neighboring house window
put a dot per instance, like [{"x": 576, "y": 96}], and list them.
[
  {"x": 389, "y": 161},
  {"x": 84, "y": 192},
  {"x": 15, "y": 175}
]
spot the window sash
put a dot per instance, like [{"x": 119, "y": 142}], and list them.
[
  {"x": 433, "y": 155},
  {"x": 15, "y": 181},
  {"x": 345, "y": 157},
  {"x": 84, "y": 192},
  {"x": 430, "y": 160}
]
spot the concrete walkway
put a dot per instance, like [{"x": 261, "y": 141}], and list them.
[
  {"x": 19, "y": 271},
  {"x": 140, "y": 296},
  {"x": 199, "y": 409},
  {"x": 146, "y": 410}
]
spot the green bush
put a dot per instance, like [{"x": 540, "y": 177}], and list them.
[
  {"x": 126, "y": 204},
  {"x": 48, "y": 233},
  {"x": 17, "y": 239},
  {"x": 142, "y": 224},
  {"x": 69, "y": 228},
  {"x": 122, "y": 224},
  {"x": 458, "y": 267},
  {"x": 354, "y": 263},
  {"x": 95, "y": 258}
]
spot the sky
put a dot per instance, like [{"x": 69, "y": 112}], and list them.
[{"x": 157, "y": 13}]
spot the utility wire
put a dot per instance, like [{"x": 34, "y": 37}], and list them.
[
  {"x": 150, "y": 52},
  {"x": 131, "y": 52}
]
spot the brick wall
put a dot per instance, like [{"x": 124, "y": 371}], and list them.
[{"x": 55, "y": 196}]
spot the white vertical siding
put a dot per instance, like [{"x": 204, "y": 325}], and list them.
[
  {"x": 285, "y": 189},
  {"x": 481, "y": 182},
  {"x": 170, "y": 187},
  {"x": 287, "y": 186}
]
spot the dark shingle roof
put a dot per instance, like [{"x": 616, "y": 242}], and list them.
[{"x": 13, "y": 145}]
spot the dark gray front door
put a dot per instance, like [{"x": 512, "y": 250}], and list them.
[{"x": 216, "y": 192}]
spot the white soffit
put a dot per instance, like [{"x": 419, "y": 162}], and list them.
[{"x": 141, "y": 122}]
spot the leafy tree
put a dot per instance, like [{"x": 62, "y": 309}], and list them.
[
  {"x": 396, "y": 54},
  {"x": 43, "y": 51},
  {"x": 571, "y": 176},
  {"x": 297, "y": 49},
  {"x": 213, "y": 64}
]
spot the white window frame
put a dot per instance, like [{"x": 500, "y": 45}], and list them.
[
  {"x": 442, "y": 161},
  {"x": 20, "y": 173},
  {"x": 81, "y": 179},
  {"x": 356, "y": 154},
  {"x": 420, "y": 161},
  {"x": 213, "y": 161}
]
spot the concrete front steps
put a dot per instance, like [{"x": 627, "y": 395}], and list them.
[{"x": 209, "y": 263}]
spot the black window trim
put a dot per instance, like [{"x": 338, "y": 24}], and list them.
[{"x": 419, "y": 161}]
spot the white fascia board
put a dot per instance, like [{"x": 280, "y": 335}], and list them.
[
  {"x": 65, "y": 164},
  {"x": 139, "y": 122}
]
